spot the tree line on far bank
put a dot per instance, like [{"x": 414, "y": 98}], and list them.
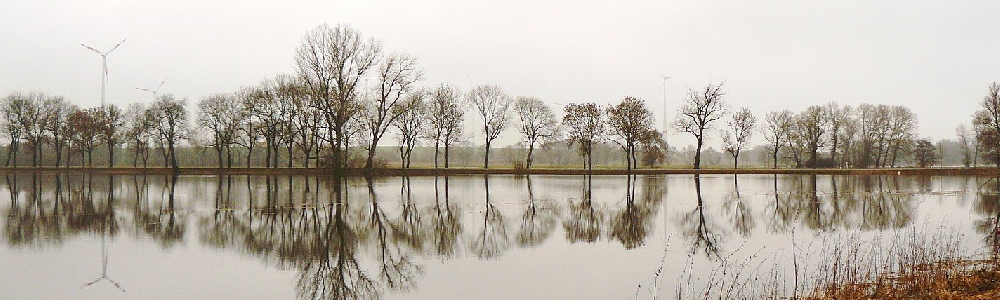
[{"x": 348, "y": 93}]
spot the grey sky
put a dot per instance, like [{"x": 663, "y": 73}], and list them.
[{"x": 935, "y": 57}]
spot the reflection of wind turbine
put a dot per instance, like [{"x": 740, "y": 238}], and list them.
[
  {"x": 104, "y": 68},
  {"x": 154, "y": 91},
  {"x": 104, "y": 265}
]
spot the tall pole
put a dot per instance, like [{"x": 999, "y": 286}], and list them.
[
  {"x": 104, "y": 66},
  {"x": 665, "y": 126}
]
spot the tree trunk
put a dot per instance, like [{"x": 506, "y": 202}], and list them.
[
  {"x": 697, "y": 154},
  {"x": 173, "y": 157},
  {"x": 218, "y": 153},
  {"x": 111, "y": 155},
  {"x": 446, "y": 156},
  {"x": 774, "y": 154},
  {"x": 436, "y": 154},
  {"x": 531, "y": 150},
  {"x": 370, "y": 162},
  {"x": 486, "y": 158},
  {"x": 590, "y": 156}
]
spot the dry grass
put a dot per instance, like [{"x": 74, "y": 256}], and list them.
[{"x": 912, "y": 263}]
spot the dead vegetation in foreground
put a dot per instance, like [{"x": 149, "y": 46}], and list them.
[{"x": 912, "y": 263}]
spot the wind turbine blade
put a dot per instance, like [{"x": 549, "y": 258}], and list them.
[
  {"x": 105, "y": 69},
  {"x": 161, "y": 83},
  {"x": 92, "y": 49},
  {"x": 144, "y": 89},
  {"x": 116, "y": 46}
]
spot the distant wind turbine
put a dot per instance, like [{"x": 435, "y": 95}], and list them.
[
  {"x": 665, "y": 127},
  {"x": 156, "y": 90},
  {"x": 104, "y": 69}
]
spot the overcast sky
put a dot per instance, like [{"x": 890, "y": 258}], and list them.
[{"x": 936, "y": 58}]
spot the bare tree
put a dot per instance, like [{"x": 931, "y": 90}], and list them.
[
  {"x": 270, "y": 109},
  {"x": 965, "y": 138},
  {"x": 331, "y": 61},
  {"x": 538, "y": 123},
  {"x": 811, "y": 128},
  {"x": 13, "y": 106},
  {"x": 138, "y": 132},
  {"x": 84, "y": 131},
  {"x": 777, "y": 127},
  {"x": 396, "y": 75},
  {"x": 306, "y": 121},
  {"x": 250, "y": 127},
  {"x": 287, "y": 90},
  {"x": 446, "y": 113},
  {"x": 837, "y": 119},
  {"x": 741, "y": 128},
  {"x": 25, "y": 110},
  {"x": 654, "y": 148},
  {"x": 221, "y": 114},
  {"x": 701, "y": 109},
  {"x": 924, "y": 153},
  {"x": 411, "y": 114},
  {"x": 493, "y": 107},
  {"x": 986, "y": 121},
  {"x": 110, "y": 120},
  {"x": 902, "y": 130},
  {"x": 630, "y": 120},
  {"x": 171, "y": 121},
  {"x": 57, "y": 111},
  {"x": 584, "y": 124}
]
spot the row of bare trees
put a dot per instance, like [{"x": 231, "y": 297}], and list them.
[
  {"x": 36, "y": 120},
  {"x": 350, "y": 92},
  {"x": 862, "y": 136}
]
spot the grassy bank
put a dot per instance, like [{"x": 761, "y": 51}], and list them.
[{"x": 980, "y": 171}]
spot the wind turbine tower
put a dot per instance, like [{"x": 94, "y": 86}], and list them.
[{"x": 104, "y": 68}]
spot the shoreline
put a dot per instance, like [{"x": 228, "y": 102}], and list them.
[{"x": 944, "y": 171}]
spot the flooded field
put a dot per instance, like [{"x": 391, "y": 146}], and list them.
[{"x": 463, "y": 237}]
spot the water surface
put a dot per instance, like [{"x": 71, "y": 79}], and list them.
[{"x": 457, "y": 237}]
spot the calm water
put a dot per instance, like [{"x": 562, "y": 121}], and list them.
[{"x": 461, "y": 237}]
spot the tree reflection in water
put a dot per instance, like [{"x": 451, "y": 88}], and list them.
[
  {"x": 583, "y": 223},
  {"x": 852, "y": 202},
  {"x": 702, "y": 232},
  {"x": 165, "y": 225},
  {"x": 447, "y": 226},
  {"x": 328, "y": 268},
  {"x": 492, "y": 240},
  {"x": 987, "y": 204},
  {"x": 108, "y": 225},
  {"x": 409, "y": 227},
  {"x": 632, "y": 224},
  {"x": 397, "y": 269},
  {"x": 740, "y": 214},
  {"x": 538, "y": 221},
  {"x": 364, "y": 246}
]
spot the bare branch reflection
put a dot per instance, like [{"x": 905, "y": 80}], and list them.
[
  {"x": 538, "y": 221},
  {"x": 492, "y": 240}
]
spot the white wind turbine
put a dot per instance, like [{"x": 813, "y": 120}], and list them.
[
  {"x": 104, "y": 69},
  {"x": 154, "y": 91}
]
